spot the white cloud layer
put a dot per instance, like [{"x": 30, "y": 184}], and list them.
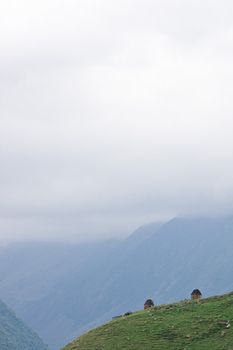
[{"x": 112, "y": 114}]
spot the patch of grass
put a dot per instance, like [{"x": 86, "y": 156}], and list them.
[{"x": 187, "y": 325}]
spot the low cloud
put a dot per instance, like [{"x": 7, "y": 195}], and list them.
[{"x": 113, "y": 114}]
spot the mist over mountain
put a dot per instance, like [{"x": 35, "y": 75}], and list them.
[
  {"x": 113, "y": 113},
  {"x": 61, "y": 290}
]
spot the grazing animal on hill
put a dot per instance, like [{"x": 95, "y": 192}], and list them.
[
  {"x": 148, "y": 303},
  {"x": 196, "y": 294}
]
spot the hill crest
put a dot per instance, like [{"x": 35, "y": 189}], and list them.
[{"x": 186, "y": 325}]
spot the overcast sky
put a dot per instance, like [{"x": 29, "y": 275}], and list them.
[{"x": 113, "y": 114}]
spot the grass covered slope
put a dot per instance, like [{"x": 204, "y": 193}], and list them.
[
  {"x": 187, "y": 325},
  {"x": 15, "y": 335}
]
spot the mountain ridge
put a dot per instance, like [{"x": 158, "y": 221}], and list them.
[
  {"x": 14, "y": 334},
  {"x": 68, "y": 289}
]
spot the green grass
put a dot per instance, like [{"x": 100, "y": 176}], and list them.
[{"x": 186, "y": 325}]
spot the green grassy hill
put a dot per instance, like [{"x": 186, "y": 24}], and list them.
[{"x": 187, "y": 325}]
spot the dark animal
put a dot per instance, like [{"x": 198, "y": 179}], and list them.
[
  {"x": 196, "y": 294},
  {"x": 148, "y": 303}
]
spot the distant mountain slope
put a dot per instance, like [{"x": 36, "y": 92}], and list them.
[
  {"x": 66, "y": 290},
  {"x": 182, "y": 254},
  {"x": 34, "y": 278},
  {"x": 189, "y": 325},
  {"x": 15, "y": 335}
]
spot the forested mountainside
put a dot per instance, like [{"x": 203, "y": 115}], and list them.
[
  {"x": 15, "y": 335},
  {"x": 68, "y": 289}
]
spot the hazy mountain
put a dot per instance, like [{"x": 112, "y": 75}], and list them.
[
  {"x": 62, "y": 290},
  {"x": 34, "y": 278},
  {"x": 15, "y": 335}
]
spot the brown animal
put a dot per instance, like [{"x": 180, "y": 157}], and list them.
[
  {"x": 148, "y": 303},
  {"x": 196, "y": 294}
]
